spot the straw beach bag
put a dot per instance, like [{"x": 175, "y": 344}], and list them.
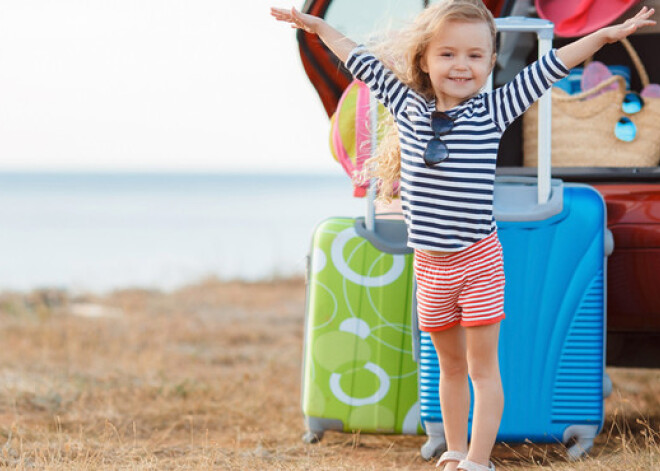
[{"x": 583, "y": 127}]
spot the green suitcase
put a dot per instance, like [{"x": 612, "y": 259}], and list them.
[{"x": 358, "y": 370}]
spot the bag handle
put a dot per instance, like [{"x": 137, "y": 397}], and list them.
[
  {"x": 637, "y": 62},
  {"x": 639, "y": 66},
  {"x": 587, "y": 93}
]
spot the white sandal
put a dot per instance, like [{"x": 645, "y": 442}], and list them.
[
  {"x": 450, "y": 456},
  {"x": 466, "y": 465}
]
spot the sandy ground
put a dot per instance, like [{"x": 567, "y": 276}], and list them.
[{"x": 208, "y": 377}]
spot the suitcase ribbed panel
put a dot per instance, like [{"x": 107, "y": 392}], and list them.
[
  {"x": 429, "y": 376},
  {"x": 578, "y": 386}
]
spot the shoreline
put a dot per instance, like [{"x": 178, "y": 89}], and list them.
[{"x": 74, "y": 291}]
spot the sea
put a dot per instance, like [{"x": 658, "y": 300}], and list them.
[{"x": 99, "y": 232}]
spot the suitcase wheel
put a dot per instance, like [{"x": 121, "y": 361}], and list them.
[
  {"x": 310, "y": 437},
  {"x": 436, "y": 444},
  {"x": 581, "y": 439}
]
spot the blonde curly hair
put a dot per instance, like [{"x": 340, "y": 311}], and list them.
[{"x": 402, "y": 52}]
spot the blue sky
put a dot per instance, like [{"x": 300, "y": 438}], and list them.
[{"x": 152, "y": 85}]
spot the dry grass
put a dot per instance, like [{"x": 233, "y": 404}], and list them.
[{"x": 208, "y": 378}]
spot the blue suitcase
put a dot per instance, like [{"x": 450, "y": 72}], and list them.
[{"x": 552, "y": 342}]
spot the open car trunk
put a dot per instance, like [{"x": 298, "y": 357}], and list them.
[{"x": 632, "y": 195}]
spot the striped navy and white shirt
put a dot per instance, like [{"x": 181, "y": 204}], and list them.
[{"x": 450, "y": 206}]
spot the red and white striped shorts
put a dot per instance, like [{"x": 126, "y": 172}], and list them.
[{"x": 466, "y": 287}]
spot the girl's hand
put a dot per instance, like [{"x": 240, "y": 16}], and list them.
[
  {"x": 339, "y": 44},
  {"x": 297, "y": 20},
  {"x": 616, "y": 33}
]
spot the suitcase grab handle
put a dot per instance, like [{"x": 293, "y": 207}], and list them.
[
  {"x": 515, "y": 199},
  {"x": 387, "y": 235}
]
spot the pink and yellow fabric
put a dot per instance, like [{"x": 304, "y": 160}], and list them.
[{"x": 350, "y": 133}]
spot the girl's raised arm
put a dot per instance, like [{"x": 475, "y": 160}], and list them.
[
  {"x": 339, "y": 44},
  {"x": 577, "y": 52}
]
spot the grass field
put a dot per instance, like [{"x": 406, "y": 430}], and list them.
[{"x": 208, "y": 377}]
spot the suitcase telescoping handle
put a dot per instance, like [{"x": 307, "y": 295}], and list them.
[
  {"x": 370, "y": 218},
  {"x": 387, "y": 235},
  {"x": 544, "y": 31}
]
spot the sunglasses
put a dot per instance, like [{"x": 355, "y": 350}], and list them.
[
  {"x": 436, "y": 150},
  {"x": 625, "y": 130}
]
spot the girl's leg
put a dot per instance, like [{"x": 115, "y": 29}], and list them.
[
  {"x": 450, "y": 346},
  {"x": 484, "y": 369}
]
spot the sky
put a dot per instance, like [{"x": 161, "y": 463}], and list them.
[{"x": 155, "y": 85}]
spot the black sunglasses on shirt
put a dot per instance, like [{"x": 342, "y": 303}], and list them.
[{"x": 436, "y": 150}]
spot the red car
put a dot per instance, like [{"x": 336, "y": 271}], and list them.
[{"x": 632, "y": 195}]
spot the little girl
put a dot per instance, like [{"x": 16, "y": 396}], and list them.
[{"x": 430, "y": 78}]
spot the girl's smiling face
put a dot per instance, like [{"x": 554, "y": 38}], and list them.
[{"x": 458, "y": 60}]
